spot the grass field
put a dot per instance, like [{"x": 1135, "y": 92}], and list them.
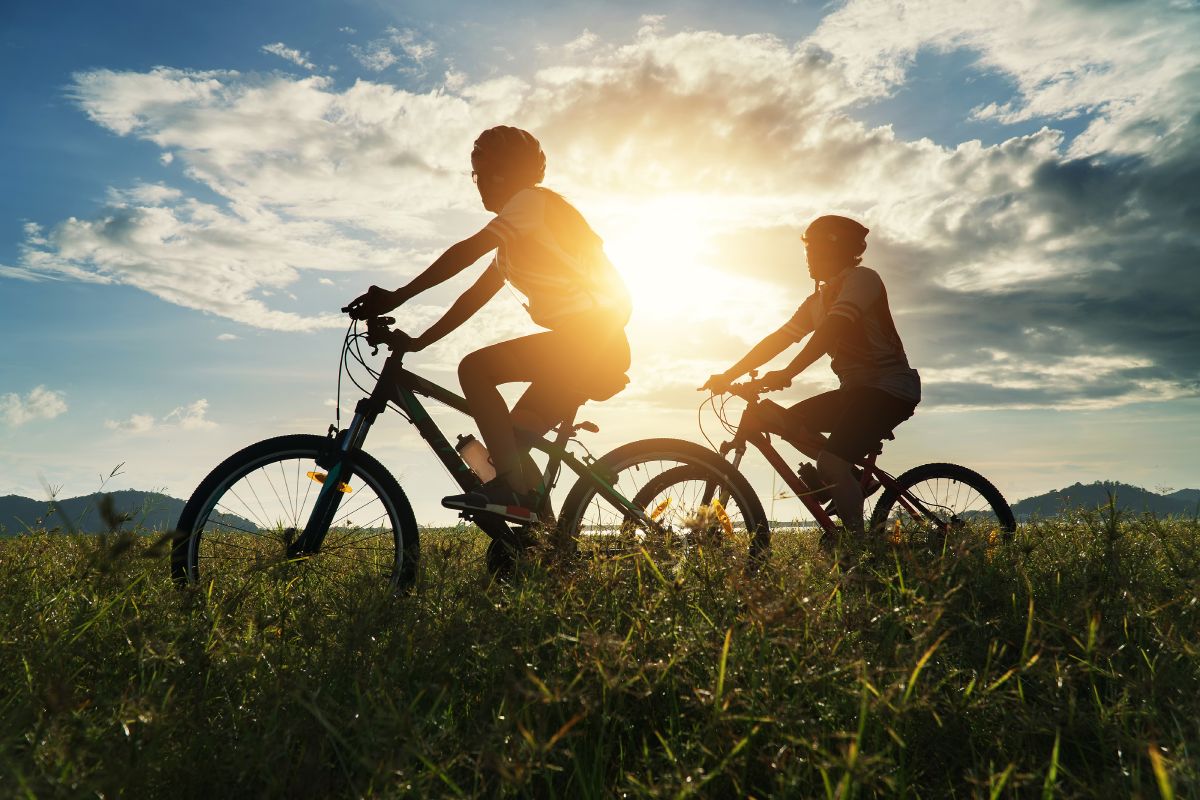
[{"x": 1065, "y": 664}]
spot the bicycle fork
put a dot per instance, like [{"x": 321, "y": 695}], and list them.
[{"x": 338, "y": 465}]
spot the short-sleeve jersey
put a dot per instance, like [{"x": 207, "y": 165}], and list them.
[
  {"x": 871, "y": 353},
  {"x": 550, "y": 254}
]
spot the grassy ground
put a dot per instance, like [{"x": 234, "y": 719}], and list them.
[{"x": 1065, "y": 664}]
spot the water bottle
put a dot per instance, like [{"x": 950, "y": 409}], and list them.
[{"x": 476, "y": 455}]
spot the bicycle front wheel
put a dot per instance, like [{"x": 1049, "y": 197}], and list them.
[
  {"x": 688, "y": 493},
  {"x": 943, "y": 507},
  {"x": 246, "y": 516}
]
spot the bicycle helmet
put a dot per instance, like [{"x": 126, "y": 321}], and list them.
[
  {"x": 841, "y": 232},
  {"x": 509, "y": 153}
]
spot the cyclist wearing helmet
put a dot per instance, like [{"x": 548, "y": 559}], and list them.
[
  {"x": 849, "y": 318},
  {"x": 548, "y": 252}
]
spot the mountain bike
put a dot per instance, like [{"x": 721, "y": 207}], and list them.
[
  {"x": 934, "y": 506},
  {"x": 324, "y": 508}
]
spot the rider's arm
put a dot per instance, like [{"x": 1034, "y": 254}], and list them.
[
  {"x": 457, "y": 257},
  {"x": 464, "y": 307},
  {"x": 794, "y": 330},
  {"x": 860, "y": 288},
  {"x": 823, "y": 340},
  {"x": 772, "y": 345}
]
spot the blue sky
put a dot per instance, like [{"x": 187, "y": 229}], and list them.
[{"x": 195, "y": 190}]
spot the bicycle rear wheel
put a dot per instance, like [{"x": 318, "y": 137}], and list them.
[
  {"x": 243, "y": 518},
  {"x": 691, "y": 494},
  {"x": 944, "y": 507}
]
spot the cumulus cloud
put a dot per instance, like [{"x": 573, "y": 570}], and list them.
[
  {"x": 38, "y": 404},
  {"x": 708, "y": 153},
  {"x": 1133, "y": 65},
  {"x": 289, "y": 54},
  {"x": 189, "y": 418}
]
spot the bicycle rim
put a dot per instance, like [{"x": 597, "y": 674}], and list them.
[
  {"x": 245, "y": 523},
  {"x": 693, "y": 500},
  {"x": 944, "y": 507}
]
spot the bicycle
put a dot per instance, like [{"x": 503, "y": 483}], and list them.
[
  {"x": 257, "y": 511},
  {"x": 931, "y": 505}
]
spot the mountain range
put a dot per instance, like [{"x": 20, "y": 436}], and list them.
[
  {"x": 156, "y": 511},
  {"x": 1135, "y": 499},
  {"x": 151, "y": 511}
]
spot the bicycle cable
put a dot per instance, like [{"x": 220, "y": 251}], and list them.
[
  {"x": 700, "y": 419},
  {"x": 337, "y": 405},
  {"x": 358, "y": 356}
]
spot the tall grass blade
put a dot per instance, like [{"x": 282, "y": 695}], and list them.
[
  {"x": 1052, "y": 774},
  {"x": 1158, "y": 764},
  {"x": 721, "y": 669}
]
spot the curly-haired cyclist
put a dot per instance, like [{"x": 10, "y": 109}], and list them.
[
  {"x": 849, "y": 318},
  {"x": 548, "y": 252}
]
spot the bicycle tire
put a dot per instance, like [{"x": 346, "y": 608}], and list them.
[
  {"x": 255, "y": 534},
  {"x": 962, "y": 501},
  {"x": 677, "y": 475}
]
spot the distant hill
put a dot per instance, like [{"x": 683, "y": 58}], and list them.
[
  {"x": 156, "y": 511},
  {"x": 1186, "y": 495},
  {"x": 1093, "y": 495},
  {"x": 148, "y": 510}
]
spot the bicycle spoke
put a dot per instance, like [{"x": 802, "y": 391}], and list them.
[
  {"x": 261, "y": 522},
  {"x": 287, "y": 490},
  {"x": 253, "y": 518}
]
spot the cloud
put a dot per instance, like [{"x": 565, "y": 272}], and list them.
[
  {"x": 397, "y": 46},
  {"x": 189, "y": 418},
  {"x": 227, "y": 337},
  {"x": 138, "y": 423},
  {"x": 38, "y": 404},
  {"x": 706, "y": 153},
  {"x": 289, "y": 54},
  {"x": 309, "y": 178},
  {"x": 1132, "y": 65}
]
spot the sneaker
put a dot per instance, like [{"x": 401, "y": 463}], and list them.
[{"x": 496, "y": 497}]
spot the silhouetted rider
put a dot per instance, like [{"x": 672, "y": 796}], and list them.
[
  {"x": 548, "y": 252},
  {"x": 849, "y": 318}
]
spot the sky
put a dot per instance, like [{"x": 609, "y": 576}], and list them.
[{"x": 194, "y": 190}]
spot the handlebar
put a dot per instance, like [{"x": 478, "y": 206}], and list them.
[
  {"x": 379, "y": 332},
  {"x": 748, "y": 390}
]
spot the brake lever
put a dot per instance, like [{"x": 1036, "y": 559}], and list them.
[{"x": 378, "y": 328}]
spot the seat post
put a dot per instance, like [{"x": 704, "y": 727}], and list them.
[{"x": 566, "y": 428}]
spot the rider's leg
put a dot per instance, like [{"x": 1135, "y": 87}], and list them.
[
  {"x": 540, "y": 408},
  {"x": 803, "y": 422},
  {"x": 867, "y": 415},
  {"x": 557, "y": 363},
  {"x": 528, "y": 359},
  {"x": 847, "y": 495},
  {"x": 770, "y": 417}
]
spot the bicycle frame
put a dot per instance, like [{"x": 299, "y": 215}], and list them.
[
  {"x": 761, "y": 441},
  {"x": 402, "y": 387}
]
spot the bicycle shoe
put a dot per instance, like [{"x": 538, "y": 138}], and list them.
[{"x": 498, "y": 498}]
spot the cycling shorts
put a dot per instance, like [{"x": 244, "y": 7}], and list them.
[{"x": 856, "y": 418}]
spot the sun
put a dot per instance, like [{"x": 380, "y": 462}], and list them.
[{"x": 664, "y": 250}]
